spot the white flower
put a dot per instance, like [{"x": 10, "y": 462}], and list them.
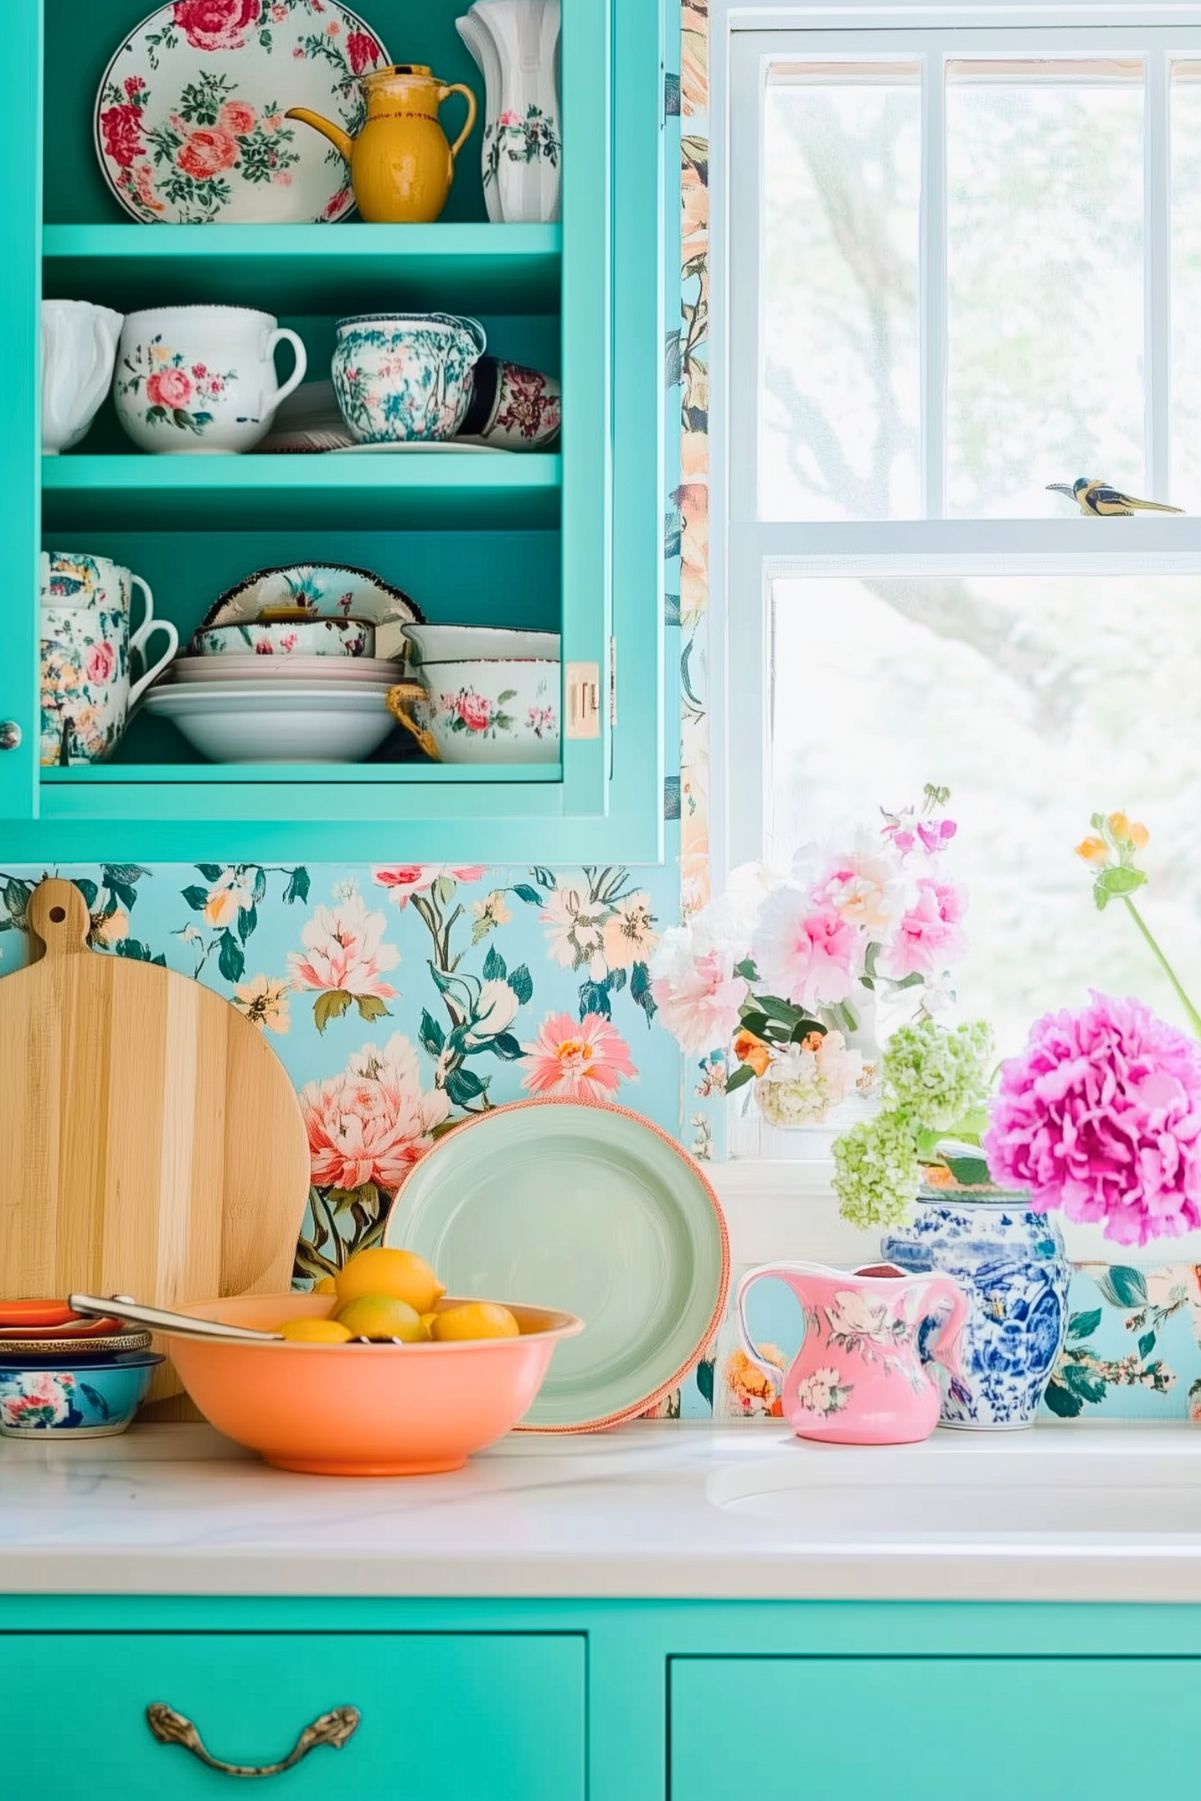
[
  {"x": 344, "y": 951},
  {"x": 575, "y": 930},
  {"x": 853, "y": 1315},
  {"x": 495, "y": 1011},
  {"x": 628, "y": 934}
]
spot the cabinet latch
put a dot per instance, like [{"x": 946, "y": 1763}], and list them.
[{"x": 583, "y": 700}]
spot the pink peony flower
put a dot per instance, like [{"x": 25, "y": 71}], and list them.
[
  {"x": 407, "y": 879},
  {"x": 1101, "y": 1116},
  {"x": 122, "y": 130},
  {"x": 807, "y": 954},
  {"x": 217, "y": 24},
  {"x": 100, "y": 662},
  {"x": 696, "y": 988},
  {"x": 578, "y": 1059},
  {"x": 237, "y": 117},
  {"x": 344, "y": 952},
  {"x": 169, "y": 387},
  {"x": 928, "y": 938},
  {"x": 207, "y": 153},
  {"x": 372, "y": 1123}
]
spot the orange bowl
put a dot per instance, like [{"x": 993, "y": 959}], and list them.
[{"x": 362, "y": 1409}]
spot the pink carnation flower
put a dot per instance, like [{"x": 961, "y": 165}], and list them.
[
  {"x": 807, "y": 953},
  {"x": 577, "y": 1058},
  {"x": 1101, "y": 1116}
]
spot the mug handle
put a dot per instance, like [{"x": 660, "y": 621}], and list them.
[
  {"x": 397, "y": 700},
  {"x": 283, "y": 336},
  {"x": 138, "y": 642},
  {"x": 457, "y": 87}
]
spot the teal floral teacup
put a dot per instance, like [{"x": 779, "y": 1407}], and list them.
[
  {"x": 86, "y": 692},
  {"x": 404, "y": 378}
]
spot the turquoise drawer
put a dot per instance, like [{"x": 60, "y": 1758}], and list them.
[
  {"x": 466, "y": 1715},
  {"x": 909, "y": 1728}
]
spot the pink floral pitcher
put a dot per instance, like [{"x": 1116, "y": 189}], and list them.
[{"x": 858, "y": 1378}]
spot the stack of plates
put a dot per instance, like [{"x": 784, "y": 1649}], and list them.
[{"x": 296, "y": 709}]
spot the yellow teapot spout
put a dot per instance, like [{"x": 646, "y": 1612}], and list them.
[{"x": 341, "y": 140}]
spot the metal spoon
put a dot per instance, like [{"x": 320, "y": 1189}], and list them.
[{"x": 158, "y": 1319}]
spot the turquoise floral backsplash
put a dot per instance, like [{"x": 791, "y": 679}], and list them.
[{"x": 401, "y": 997}]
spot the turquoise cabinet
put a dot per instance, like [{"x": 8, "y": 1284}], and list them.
[
  {"x": 569, "y": 540},
  {"x": 500, "y": 1718},
  {"x": 608, "y": 1699},
  {"x": 992, "y": 1728}
]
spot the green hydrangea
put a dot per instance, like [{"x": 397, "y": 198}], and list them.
[
  {"x": 935, "y": 1077},
  {"x": 876, "y": 1171}
]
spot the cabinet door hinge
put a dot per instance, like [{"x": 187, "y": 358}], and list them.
[{"x": 583, "y": 700}]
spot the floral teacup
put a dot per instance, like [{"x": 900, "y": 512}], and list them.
[
  {"x": 86, "y": 693},
  {"x": 502, "y": 711},
  {"x": 201, "y": 378},
  {"x": 513, "y": 407},
  {"x": 402, "y": 378}
]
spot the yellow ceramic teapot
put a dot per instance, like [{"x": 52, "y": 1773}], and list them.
[{"x": 401, "y": 163}]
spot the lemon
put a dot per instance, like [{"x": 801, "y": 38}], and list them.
[
  {"x": 399, "y": 1275},
  {"x": 315, "y": 1331},
  {"x": 427, "y": 1320},
  {"x": 474, "y": 1319},
  {"x": 381, "y": 1316},
  {"x": 327, "y": 1285}
]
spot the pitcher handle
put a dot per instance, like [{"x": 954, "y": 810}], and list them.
[
  {"x": 444, "y": 93},
  {"x": 745, "y": 1285},
  {"x": 146, "y": 631},
  {"x": 945, "y": 1348},
  {"x": 283, "y": 336}
]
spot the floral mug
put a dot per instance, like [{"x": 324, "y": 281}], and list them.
[
  {"x": 86, "y": 692},
  {"x": 197, "y": 379}
]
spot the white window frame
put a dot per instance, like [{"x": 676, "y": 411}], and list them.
[{"x": 747, "y": 553}]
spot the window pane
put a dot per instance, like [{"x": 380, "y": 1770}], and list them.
[
  {"x": 842, "y": 182},
  {"x": 1186, "y": 284},
  {"x": 1045, "y": 245},
  {"x": 1037, "y": 701}
]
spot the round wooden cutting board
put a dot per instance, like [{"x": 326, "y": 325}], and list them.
[{"x": 151, "y": 1143}]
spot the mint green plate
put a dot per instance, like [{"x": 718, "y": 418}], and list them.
[{"x": 584, "y": 1207}]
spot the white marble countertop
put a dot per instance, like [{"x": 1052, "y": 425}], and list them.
[{"x": 1061, "y": 1513}]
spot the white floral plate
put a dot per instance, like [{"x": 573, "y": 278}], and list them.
[
  {"x": 333, "y": 672},
  {"x": 190, "y": 125},
  {"x": 592, "y": 1203}
]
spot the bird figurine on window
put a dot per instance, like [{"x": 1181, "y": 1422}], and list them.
[{"x": 1097, "y": 500}]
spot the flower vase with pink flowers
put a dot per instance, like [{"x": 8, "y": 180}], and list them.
[{"x": 785, "y": 974}]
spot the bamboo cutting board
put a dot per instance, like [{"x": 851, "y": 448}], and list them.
[{"x": 151, "y": 1143}]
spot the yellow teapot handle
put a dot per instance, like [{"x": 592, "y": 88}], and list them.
[
  {"x": 444, "y": 94},
  {"x": 397, "y": 701}
]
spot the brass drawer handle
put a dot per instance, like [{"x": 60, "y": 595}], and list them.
[{"x": 332, "y": 1729}]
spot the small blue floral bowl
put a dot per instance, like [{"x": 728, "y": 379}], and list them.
[
  {"x": 406, "y": 378},
  {"x": 76, "y": 1395}
]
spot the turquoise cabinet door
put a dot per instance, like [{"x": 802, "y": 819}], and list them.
[
  {"x": 477, "y": 1716},
  {"x": 911, "y": 1729}
]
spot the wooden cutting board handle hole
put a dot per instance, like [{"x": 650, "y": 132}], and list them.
[{"x": 58, "y": 918}]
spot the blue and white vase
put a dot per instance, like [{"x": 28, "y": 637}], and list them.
[{"x": 1011, "y": 1264}]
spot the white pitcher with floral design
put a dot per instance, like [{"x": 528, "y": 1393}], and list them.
[
  {"x": 516, "y": 44},
  {"x": 201, "y": 380}
]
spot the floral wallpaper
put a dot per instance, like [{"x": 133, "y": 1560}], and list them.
[{"x": 402, "y": 997}]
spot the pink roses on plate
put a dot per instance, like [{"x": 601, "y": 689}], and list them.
[
  {"x": 1101, "y": 1116},
  {"x": 217, "y": 24}
]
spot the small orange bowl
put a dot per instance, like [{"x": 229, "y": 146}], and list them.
[{"x": 362, "y": 1409}]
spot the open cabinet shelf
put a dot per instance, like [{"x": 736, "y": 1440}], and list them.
[
  {"x": 487, "y": 268},
  {"x": 566, "y": 540},
  {"x": 460, "y": 489}
]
